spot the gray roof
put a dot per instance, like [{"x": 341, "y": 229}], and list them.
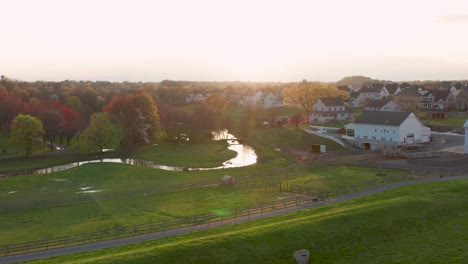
[
  {"x": 391, "y": 88},
  {"x": 382, "y": 118},
  {"x": 377, "y": 103},
  {"x": 332, "y": 101}
]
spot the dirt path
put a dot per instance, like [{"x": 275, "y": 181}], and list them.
[{"x": 156, "y": 235}]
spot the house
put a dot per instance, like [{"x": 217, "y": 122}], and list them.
[
  {"x": 382, "y": 105},
  {"x": 386, "y": 130},
  {"x": 408, "y": 99},
  {"x": 426, "y": 99},
  {"x": 390, "y": 89},
  {"x": 443, "y": 100},
  {"x": 462, "y": 99},
  {"x": 366, "y": 94},
  {"x": 251, "y": 97},
  {"x": 271, "y": 99},
  {"x": 196, "y": 96},
  {"x": 328, "y": 109}
]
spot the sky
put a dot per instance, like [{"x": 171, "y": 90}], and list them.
[{"x": 246, "y": 40}]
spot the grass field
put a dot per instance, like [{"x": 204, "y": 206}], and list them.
[
  {"x": 17, "y": 226},
  {"x": 15, "y": 149},
  {"x": 453, "y": 122},
  {"x": 288, "y": 137},
  {"x": 421, "y": 223},
  {"x": 204, "y": 154},
  {"x": 333, "y": 177},
  {"x": 42, "y": 223}
]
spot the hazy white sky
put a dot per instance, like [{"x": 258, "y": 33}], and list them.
[{"x": 257, "y": 40}]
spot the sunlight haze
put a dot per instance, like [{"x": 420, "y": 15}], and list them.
[{"x": 233, "y": 40}]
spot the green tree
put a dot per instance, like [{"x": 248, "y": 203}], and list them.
[
  {"x": 26, "y": 130},
  {"x": 102, "y": 133}
]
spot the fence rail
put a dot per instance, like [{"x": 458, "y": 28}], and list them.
[{"x": 307, "y": 197}]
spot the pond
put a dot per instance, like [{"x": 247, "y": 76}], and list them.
[{"x": 245, "y": 156}]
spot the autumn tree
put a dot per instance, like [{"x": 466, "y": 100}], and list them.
[
  {"x": 10, "y": 106},
  {"x": 306, "y": 93},
  {"x": 218, "y": 104},
  {"x": 26, "y": 130},
  {"x": 297, "y": 119},
  {"x": 138, "y": 115},
  {"x": 102, "y": 133}
]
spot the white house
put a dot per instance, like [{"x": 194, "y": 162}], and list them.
[
  {"x": 366, "y": 94},
  {"x": 382, "y": 105},
  {"x": 386, "y": 130},
  {"x": 251, "y": 97},
  {"x": 329, "y": 109},
  {"x": 271, "y": 100},
  {"x": 196, "y": 96},
  {"x": 391, "y": 89}
]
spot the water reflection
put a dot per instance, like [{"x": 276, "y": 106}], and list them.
[{"x": 245, "y": 156}]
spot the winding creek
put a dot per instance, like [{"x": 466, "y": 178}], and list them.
[{"x": 245, "y": 156}]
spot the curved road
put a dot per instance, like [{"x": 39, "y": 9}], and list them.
[{"x": 156, "y": 235}]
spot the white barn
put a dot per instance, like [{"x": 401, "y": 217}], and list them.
[{"x": 386, "y": 130}]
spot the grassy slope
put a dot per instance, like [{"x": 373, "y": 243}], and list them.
[
  {"x": 424, "y": 223},
  {"x": 287, "y": 137},
  {"x": 332, "y": 177},
  {"x": 42, "y": 223},
  {"x": 18, "y": 148}
]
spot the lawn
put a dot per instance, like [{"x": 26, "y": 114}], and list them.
[
  {"x": 204, "y": 154},
  {"x": 288, "y": 137},
  {"x": 452, "y": 122},
  {"x": 42, "y": 223},
  {"x": 420, "y": 223},
  {"x": 8, "y": 148},
  {"x": 333, "y": 177}
]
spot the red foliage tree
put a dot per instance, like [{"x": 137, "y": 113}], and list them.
[{"x": 297, "y": 119}]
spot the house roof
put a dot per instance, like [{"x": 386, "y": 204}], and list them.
[
  {"x": 382, "y": 118},
  {"x": 391, "y": 88},
  {"x": 466, "y": 124},
  {"x": 332, "y": 101},
  {"x": 377, "y": 103},
  {"x": 368, "y": 89},
  {"x": 438, "y": 94},
  {"x": 376, "y": 86},
  {"x": 410, "y": 91}
]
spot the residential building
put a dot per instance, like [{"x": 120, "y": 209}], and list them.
[
  {"x": 251, "y": 97},
  {"x": 196, "y": 96},
  {"x": 328, "y": 109},
  {"x": 382, "y": 105},
  {"x": 386, "y": 130},
  {"x": 271, "y": 99},
  {"x": 366, "y": 94}
]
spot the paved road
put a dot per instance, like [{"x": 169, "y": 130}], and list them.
[{"x": 156, "y": 235}]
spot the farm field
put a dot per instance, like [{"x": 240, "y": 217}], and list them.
[
  {"x": 402, "y": 225},
  {"x": 141, "y": 206}
]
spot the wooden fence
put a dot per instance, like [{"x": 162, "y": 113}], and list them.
[{"x": 309, "y": 196}]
